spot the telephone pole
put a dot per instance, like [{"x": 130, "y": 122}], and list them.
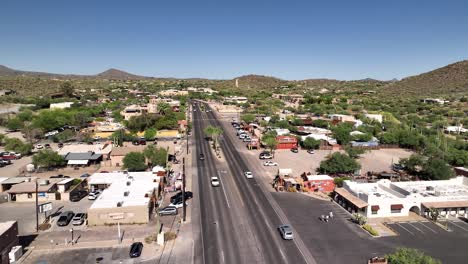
[
  {"x": 183, "y": 191},
  {"x": 37, "y": 208}
]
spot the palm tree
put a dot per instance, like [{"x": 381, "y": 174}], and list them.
[{"x": 213, "y": 133}]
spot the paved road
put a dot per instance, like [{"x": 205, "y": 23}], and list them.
[{"x": 238, "y": 221}]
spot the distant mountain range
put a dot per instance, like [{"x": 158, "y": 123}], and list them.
[{"x": 452, "y": 78}]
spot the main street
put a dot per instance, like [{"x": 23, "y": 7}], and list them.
[{"x": 238, "y": 220}]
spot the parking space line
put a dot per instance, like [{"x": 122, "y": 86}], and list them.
[
  {"x": 415, "y": 227},
  {"x": 452, "y": 222},
  {"x": 422, "y": 223},
  {"x": 405, "y": 229}
]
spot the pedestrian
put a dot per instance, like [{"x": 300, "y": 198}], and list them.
[
  {"x": 322, "y": 217},
  {"x": 331, "y": 214},
  {"x": 326, "y": 218}
]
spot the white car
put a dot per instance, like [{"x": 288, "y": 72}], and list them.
[
  {"x": 93, "y": 195},
  {"x": 270, "y": 163},
  {"x": 178, "y": 204},
  {"x": 214, "y": 181},
  {"x": 248, "y": 175},
  {"x": 39, "y": 146}
]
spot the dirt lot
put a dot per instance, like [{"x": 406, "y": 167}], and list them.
[{"x": 381, "y": 160}]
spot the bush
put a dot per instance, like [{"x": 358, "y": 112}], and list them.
[
  {"x": 371, "y": 230},
  {"x": 409, "y": 255},
  {"x": 169, "y": 236}
]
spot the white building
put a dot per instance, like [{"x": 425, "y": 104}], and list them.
[
  {"x": 127, "y": 197},
  {"x": 61, "y": 105},
  {"x": 236, "y": 99},
  {"x": 385, "y": 198},
  {"x": 376, "y": 117}
]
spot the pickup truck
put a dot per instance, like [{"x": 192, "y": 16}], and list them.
[{"x": 9, "y": 156}]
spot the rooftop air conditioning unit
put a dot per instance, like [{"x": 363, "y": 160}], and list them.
[
  {"x": 126, "y": 193},
  {"x": 119, "y": 204},
  {"x": 128, "y": 183}
]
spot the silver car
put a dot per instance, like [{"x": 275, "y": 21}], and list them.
[{"x": 286, "y": 232}]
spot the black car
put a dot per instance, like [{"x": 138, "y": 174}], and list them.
[
  {"x": 65, "y": 218},
  {"x": 60, "y": 176},
  {"x": 294, "y": 150},
  {"x": 202, "y": 156},
  {"x": 178, "y": 196},
  {"x": 135, "y": 249},
  {"x": 78, "y": 195}
]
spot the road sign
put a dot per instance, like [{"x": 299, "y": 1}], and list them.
[{"x": 45, "y": 207}]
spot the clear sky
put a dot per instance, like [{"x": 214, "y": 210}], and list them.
[{"x": 225, "y": 39}]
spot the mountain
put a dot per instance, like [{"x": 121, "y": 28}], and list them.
[
  {"x": 115, "y": 74},
  {"x": 9, "y": 72},
  {"x": 450, "y": 79}
]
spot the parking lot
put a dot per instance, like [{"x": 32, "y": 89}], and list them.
[
  {"x": 416, "y": 228},
  {"x": 25, "y": 214}
]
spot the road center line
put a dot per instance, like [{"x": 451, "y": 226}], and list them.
[{"x": 224, "y": 191}]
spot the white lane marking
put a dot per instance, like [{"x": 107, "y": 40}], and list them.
[
  {"x": 405, "y": 229},
  {"x": 452, "y": 222},
  {"x": 222, "y": 255},
  {"x": 416, "y": 227},
  {"x": 224, "y": 191},
  {"x": 428, "y": 227},
  {"x": 282, "y": 254}
]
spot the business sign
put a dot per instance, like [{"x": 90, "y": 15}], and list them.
[{"x": 45, "y": 207}]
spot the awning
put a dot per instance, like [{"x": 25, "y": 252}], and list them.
[
  {"x": 396, "y": 207},
  {"x": 375, "y": 207},
  {"x": 446, "y": 204},
  {"x": 350, "y": 197},
  {"x": 78, "y": 162}
]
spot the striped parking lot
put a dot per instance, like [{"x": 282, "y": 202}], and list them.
[{"x": 416, "y": 228}]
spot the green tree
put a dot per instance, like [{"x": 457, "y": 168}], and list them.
[
  {"x": 156, "y": 156},
  {"x": 271, "y": 143},
  {"x": 67, "y": 89},
  {"x": 14, "y": 124},
  {"x": 437, "y": 169},
  {"x": 48, "y": 159},
  {"x": 150, "y": 133},
  {"x": 339, "y": 181},
  {"x": 354, "y": 153},
  {"x": 341, "y": 133},
  {"x": 214, "y": 133},
  {"x": 25, "y": 115},
  {"x": 410, "y": 256},
  {"x": 248, "y": 118},
  {"x": 362, "y": 137},
  {"x": 339, "y": 163},
  {"x": 413, "y": 164},
  {"x": 310, "y": 143},
  {"x": 134, "y": 161},
  {"x": 16, "y": 145}
]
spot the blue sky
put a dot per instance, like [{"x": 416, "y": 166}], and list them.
[{"x": 224, "y": 39}]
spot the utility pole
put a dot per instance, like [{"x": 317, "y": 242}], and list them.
[
  {"x": 37, "y": 208},
  {"x": 183, "y": 191},
  {"x": 188, "y": 122}
]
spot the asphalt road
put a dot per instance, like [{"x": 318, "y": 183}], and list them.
[{"x": 239, "y": 223}]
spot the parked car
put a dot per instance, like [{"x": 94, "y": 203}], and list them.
[
  {"x": 39, "y": 146},
  {"x": 247, "y": 139},
  {"x": 79, "y": 219},
  {"x": 47, "y": 146},
  {"x": 60, "y": 176},
  {"x": 78, "y": 195},
  {"x": 265, "y": 155},
  {"x": 215, "y": 181},
  {"x": 93, "y": 195},
  {"x": 65, "y": 218},
  {"x": 177, "y": 204},
  {"x": 168, "y": 210},
  {"x": 270, "y": 163},
  {"x": 60, "y": 145},
  {"x": 5, "y": 162},
  {"x": 242, "y": 136},
  {"x": 248, "y": 175},
  {"x": 295, "y": 150},
  {"x": 178, "y": 196},
  {"x": 86, "y": 175},
  {"x": 135, "y": 249},
  {"x": 8, "y": 156},
  {"x": 310, "y": 151},
  {"x": 286, "y": 232}
]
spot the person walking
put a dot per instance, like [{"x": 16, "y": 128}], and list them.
[{"x": 331, "y": 214}]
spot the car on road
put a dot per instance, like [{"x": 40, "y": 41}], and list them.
[
  {"x": 295, "y": 150},
  {"x": 178, "y": 196},
  {"x": 248, "y": 175},
  {"x": 93, "y": 195},
  {"x": 39, "y": 146},
  {"x": 202, "y": 156},
  {"x": 265, "y": 155},
  {"x": 270, "y": 163},
  {"x": 78, "y": 195},
  {"x": 79, "y": 219},
  {"x": 65, "y": 218},
  {"x": 310, "y": 151},
  {"x": 136, "y": 249},
  {"x": 286, "y": 232},
  {"x": 168, "y": 210},
  {"x": 215, "y": 181},
  {"x": 177, "y": 204}
]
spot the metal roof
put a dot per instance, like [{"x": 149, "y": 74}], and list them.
[
  {"x": 15, "y": 180},
  {"x": 82, "y": 156}
]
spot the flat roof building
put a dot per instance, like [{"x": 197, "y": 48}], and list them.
[{"x": 385, "y": 198}]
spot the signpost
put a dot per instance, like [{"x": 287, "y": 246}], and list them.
[{"x": 44, "y": 208}]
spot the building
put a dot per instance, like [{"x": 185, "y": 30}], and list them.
[
  {"x": 385, "y": 198},
  {"x": 154, "y": 103},
  {"x": 434, "y": 101},
  {"x": 8, "y": 239},
  {"x": 26, "y": 191},
  {"x": 132, "y": 111},
  {"x": 83, "y": 158},
  {"x": 376, "y": 117},
  {"x": 335, "y": 118},
  {"x": 286, "y": 142},
  {"x": 456, "y": 129},
  {"x": 6, "y": 184},
  {"x": 173, "y": 92},
  {"x": 236, "y": 99},
  {"x": 103, "y": 149},
  {"x": 127, "y": 197},
  {"x": 62, "y": 105},
  {"x": 461, "y": 171},
  {"x": 118, "y": 153},
  {"x": 319, "y": 183}
]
